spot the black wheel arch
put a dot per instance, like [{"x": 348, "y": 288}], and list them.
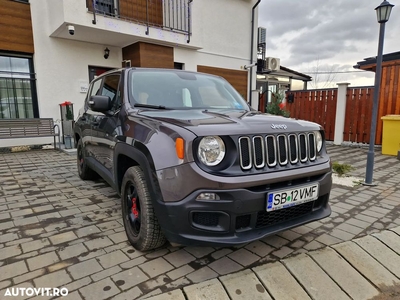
[{"x": 127, "y": 156}]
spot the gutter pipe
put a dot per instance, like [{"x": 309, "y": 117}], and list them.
[{"x": 252, "y": 48}]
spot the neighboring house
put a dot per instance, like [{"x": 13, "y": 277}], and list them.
[
  {"x": 51, "y": 49},
  {"x": 390, "y": 83},
  {"x": 389, "y": 94}
]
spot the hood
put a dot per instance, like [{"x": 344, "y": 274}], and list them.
[{"x": 229, "y": 122}]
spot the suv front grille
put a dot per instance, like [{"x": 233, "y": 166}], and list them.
[{"x": 271, "y": 150}]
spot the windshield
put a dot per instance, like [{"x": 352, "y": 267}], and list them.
[{"x": 182, "y": 90}]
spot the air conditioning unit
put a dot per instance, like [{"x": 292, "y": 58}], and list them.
[{"x": 272, "y": 63}]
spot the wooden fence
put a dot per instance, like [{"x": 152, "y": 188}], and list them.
[{"x": 319, "y": 106}]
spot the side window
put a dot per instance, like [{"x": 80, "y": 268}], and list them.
[
  {"x": 95, "y": 87},
  {"x": 111, "y": 89}
]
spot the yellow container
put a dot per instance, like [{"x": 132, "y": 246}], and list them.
[{"x": 391, "y": 134}]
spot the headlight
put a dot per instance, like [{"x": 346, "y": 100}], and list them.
[
  {"x": 211, "y": 150},
  {"x": 318, "y": 139}
]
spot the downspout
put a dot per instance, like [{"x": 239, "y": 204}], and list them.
[{"x": 252, "y": 48}]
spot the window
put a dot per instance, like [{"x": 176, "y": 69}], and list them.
[
  {"x": 111, "y": 89},
  {"x": 106, "y": 7},
  {"x": 17, "y": 88}
]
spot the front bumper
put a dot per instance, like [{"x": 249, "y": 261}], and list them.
[{"x": 240, "y": 215}]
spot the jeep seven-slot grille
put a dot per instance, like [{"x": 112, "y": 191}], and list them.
[{"x": 271, "y": 150}]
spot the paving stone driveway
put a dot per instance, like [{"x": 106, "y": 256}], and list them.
[{"x": 59, "y": 231}]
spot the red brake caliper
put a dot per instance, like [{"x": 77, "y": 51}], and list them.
[{"x": 134, "y": 208}]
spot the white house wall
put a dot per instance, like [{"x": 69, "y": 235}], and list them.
[{"x": 221, "y": 32}]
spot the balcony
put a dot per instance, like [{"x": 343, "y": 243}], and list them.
[
  {"x": 173, "y": 15},
  {"x": 123, "y": 22}
]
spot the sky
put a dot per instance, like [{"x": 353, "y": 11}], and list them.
[{"x": 327, "y": 36}]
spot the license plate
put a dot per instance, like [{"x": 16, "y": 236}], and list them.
[{"x": 290, "y": 197}]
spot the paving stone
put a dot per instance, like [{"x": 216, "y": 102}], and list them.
[
  {"x": 106, "y": 273},
  {"x": 42, "y": 261},
  {"x": 275, "y": 241},
  {"x": 85, "y": 268},
  {"x": 283, "y": 252},
  {"x": 118, "y": 237},
  {"x": 13, "y": 270},
  {"x": 225, "y": 266},
  {"x": 26, "y": 221},
  {"x": 179, "y": 258},
  {"x": 391, "y": 239},
  {"x": 244, "y": 285},
  {"x": 342, "y": 235},
  {"x": 133, "y": 293},
  {"x": 29, "y": 276},
  {"x": 35, "y": 245},
  {"x": 387, "y": 257},
  {"x": 7, "y": 252},
  {"x": 129, "y": 278},
  {"x": 99, "y": 290},
  {"x": 133, "y": 262},
  {"x": 358, "y": 223},
  {"x": 172, "y": 295},
  {"x": 26, "y": 285},
  {"x": 211, "y": 289},
  {"x": 156, "y": 267},
  {"x": 72, "y": 251},
  {"x": 98, "y": 243},
  {"x": 87, "y": 230},
  {"x": 352, "y": 282},
  {"x": 279, "y": 282},
  {"x": 56, "y": 279},
  {"x": 77, "y": 284},
  {"x": 201, "y": 275},
  {"x": 111, "y": 259},
  {"x": 180, "y": 272},
  {"x": 220, "y": 253},
  {"x": 199, "y": 251},
  {"x": 313, "y": 245},
  {"x": 157, "y": 253},
  {"x": 366, "y": 264},
  {"x": 259, "y": 248},
  {"x": 244, "y": 257},
  {"x": 314, "y": 280},
  {"x": 328, "y": 239}
]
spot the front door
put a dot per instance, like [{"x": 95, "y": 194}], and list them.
[{"x": 106, "y": 126}]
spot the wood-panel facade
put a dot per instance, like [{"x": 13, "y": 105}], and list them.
[
  {"x": 237, "y": 78},
  {"x": 142, "y": 11},
  {"x": 147, "y": 55},
  {"x": 16, "y": 27}
]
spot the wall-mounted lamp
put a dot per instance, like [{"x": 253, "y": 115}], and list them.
[{"x": 106, "y": 53}]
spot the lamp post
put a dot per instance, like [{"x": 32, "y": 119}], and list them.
[{"x": 383, "y": 13}]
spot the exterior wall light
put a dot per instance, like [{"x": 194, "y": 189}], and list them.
[{"x": 106, "y": 53}]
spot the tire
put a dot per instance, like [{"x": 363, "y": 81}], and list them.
[
  {"x": 141, "y": 224},
  {"x": 84, "y": 171}
]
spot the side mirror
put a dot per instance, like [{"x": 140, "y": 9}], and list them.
[{"x": 100, "y": 103}]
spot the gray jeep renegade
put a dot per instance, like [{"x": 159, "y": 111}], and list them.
[{"x": 193, "y": 164}]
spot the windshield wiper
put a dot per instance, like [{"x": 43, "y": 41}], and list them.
[{"x": 150, "y": 106}]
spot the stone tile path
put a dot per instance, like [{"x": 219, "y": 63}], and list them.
[{"x": 59, "y": 231}]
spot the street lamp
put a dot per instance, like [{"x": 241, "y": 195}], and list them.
[{"x": 383, "y": 13}]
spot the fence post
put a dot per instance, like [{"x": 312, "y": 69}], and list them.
[{"x": 340, "y": 113}]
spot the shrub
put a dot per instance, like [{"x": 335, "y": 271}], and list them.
[
  {"x": 275, "y": 107},
  {"x": 341, "y": 169}
]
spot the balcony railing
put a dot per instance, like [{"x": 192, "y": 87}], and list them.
[{"x": 174, "y": 15}]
